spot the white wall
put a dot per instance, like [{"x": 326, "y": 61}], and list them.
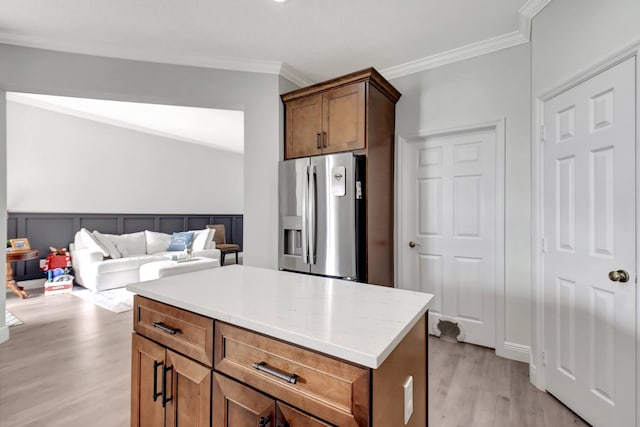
[
  {"x": 479, "y": 90},
  {"x": 61, "y": 163},
  {"x": 4, "y": 330},
  {"x": 571, "y": 35}
]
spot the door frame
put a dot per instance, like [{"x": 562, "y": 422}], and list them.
[
  {"x": 503, "y": 348},
  {"x": 536, "y": 366}
]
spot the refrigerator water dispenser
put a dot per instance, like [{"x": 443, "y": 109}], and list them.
[{"x": 292, "y": 227}]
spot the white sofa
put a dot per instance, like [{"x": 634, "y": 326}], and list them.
[{"x": 107, "y": 261}]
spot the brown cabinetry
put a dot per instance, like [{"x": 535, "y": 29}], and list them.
[
  {"x": 237, "y": 405},
  {"x": 356, "y": 113},
  {"x": 329, "y": 122},
  {"x": 257, "y": 380},
  {"x": 167, "y": 389}
]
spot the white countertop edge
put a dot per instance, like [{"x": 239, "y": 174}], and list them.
[{"x": 350, "y": 355}]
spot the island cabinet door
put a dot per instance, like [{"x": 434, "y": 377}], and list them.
[
  {"x": 236, "y": 405},
  {"x": 286, "y": 416},
  {"x": 189, "y": 383},
  {"x": 147, "y": 362}
]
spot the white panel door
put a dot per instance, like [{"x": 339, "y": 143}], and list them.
[
  {"x": 589, "y": 229},
  {"x": 449, "y": 213}
]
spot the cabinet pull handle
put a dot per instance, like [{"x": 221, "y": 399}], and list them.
[
  {"x": 318, "y": 146},
  {"x": 264, "y": 421},
  {"x": 262, "y": 366},
  {"x": 324, "y": 139},
  {"x": 156, "y": 394},
  {"x": 165, "y": 399},
  {"x": 165, "y": 328}
]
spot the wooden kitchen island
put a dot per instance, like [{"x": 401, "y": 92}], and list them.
[{"x": 244, "y": 346}]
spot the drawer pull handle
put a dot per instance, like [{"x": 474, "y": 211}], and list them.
[
  {"x": 262, "y": 366},
  {"x": 165, "y": 328}
]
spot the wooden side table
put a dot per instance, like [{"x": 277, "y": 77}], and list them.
[{"x": 14, "y": 256}]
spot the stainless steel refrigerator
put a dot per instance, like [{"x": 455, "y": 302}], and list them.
[{"x": 322, "y": 216}]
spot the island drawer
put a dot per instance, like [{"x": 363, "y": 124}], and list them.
[
  {"x": 180, "y": 330},
  {"x": 329, "y": 388}
]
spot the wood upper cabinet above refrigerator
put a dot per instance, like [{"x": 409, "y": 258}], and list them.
[{"x": 331, "y": 117}]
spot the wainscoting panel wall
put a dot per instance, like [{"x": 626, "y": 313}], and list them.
[{"x": 58, "y": 229}]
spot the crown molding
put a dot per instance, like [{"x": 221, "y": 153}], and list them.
[
  {"x": 294, "y": 76},
  {"x": 454, "y": 55},
  {"x": 527, "y": 12},
  {"x": 18, "y": 98},
  {"x": 522, "y": 35},
  {"x": 158, "y": 56}
]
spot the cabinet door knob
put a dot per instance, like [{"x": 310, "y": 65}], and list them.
[
  {"x": 264, "y": 421},
  {"x": 318, "y": 146},
  {"x": 413, "y": 244},
  {"x": 324, "y": 139},
  {"x": 156, "y": 394}
]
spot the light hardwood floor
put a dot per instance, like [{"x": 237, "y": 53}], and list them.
[{"x": 69, "y": 365}]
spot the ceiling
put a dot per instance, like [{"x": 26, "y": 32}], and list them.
[
  {"x": 304, "y": 40},
  {"x": 222, "y": 129}
]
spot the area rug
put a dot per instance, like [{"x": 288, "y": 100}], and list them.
[
  {"x": 117, "y": 300},
  {"x": 10, "y": 319}
]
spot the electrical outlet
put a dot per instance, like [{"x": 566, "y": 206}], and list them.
[{"x": 408, "y": 399}]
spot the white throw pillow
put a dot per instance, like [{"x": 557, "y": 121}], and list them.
[
  {"x": 88, "y": 241},
  {"x": 201, "y": 239},
  {"x": 211, "y": 244},
  {"x": 156, "y": 242},
  {"x": 108, "y": 242},
  {"x": 130, "y": 244}
]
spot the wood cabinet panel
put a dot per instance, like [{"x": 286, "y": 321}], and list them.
[
  {"x": 193, "y": 335},
  {"x": 329, "y": 388},
  {"x": 304, "y": 127},
  {"x": 236, "y": 405},
  {"x": 147, "y": 361},
  {"x": 343, "y": 111},
  {"x": 190, "y": 385},
  {"x": 286, "y": 416}
]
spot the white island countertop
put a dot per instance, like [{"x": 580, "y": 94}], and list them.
[{"x": 356, "y": 322}]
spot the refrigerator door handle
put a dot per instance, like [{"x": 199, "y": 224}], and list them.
[
  {"x": 305, "y": 215},
  {"x": 312, "y": 214}
]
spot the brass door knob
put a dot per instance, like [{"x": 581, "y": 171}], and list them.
[
  {"x": 413, "y": 244},
  {"x": 619, "y": 276}
]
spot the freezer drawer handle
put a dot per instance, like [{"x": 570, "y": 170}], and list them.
[{"x": 262, "y": 366}]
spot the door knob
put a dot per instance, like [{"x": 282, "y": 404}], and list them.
[
  {"x": 619, "y": 276},
  {"x": 413, "y": 244}
]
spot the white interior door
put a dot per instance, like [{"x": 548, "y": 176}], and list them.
[
  {"x": 449, "y": 212},
  {"x": 589, "y": 230}
]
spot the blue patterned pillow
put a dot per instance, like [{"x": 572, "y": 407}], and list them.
[{"x": 180, "y": 240}]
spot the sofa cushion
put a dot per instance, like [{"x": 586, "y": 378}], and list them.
[
  {"x": 107, "y": 241},
  {"x": 84, "y": 239},
  {"x": 201, "y": 239},
  {"x": 121, "y": 264},
  {"x": 156, "y": 242},
  {"x": 130, "y": 244},
  {"x": 180, "y": 240}
]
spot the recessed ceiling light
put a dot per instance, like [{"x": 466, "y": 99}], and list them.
[{"x": 279, "y": 1}]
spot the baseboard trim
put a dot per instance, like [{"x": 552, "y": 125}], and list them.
[
  {"x": 4, "y": 333},
  {"x": 533, "y": 375},
  {"x": 514, "y": 351}
]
